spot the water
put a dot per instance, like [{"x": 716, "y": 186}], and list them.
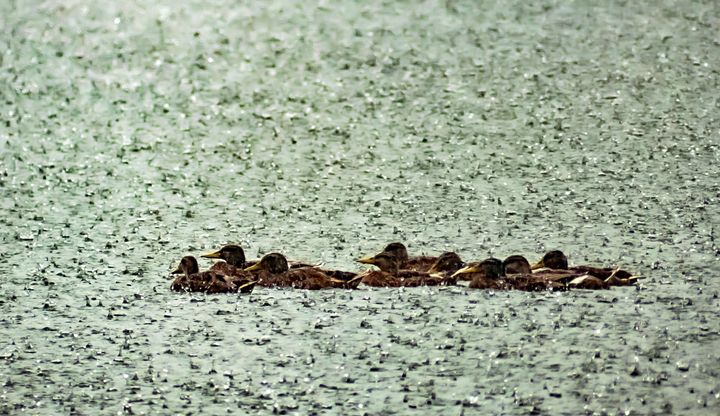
[{"x": 132, "y": 135}]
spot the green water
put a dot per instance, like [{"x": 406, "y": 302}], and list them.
[{"x": 132, "y": 134}]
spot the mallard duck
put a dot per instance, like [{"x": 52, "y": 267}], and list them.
[
  {"x": 192, "y": 280},
  {"x": 235, "y": 261},
  {"x": 556, "y": 260},
  {"x": 234, "y": 257},
  {"x": 447, "y": 264},
  {"x": 516, "y": 264},
  {"x": 469, "y": 272},
  {"x": 277, "y": 273},
  {"x": 511, "y": 274},
  {"x": 390, "y": 274},
  {"x": 519, "y": 276},
  {"x": 417, "y": 263},
  {"x": 486, "y": 274}
]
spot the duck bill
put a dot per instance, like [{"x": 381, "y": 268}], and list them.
[
  {"x": 466, "y": 270},
  {"x": 366, "y": 260},
  {"x": 433, "y": 269},
  {"x": 213, "y": 255},
  {"x": 177, "y": 271},
  {"x": 538, "y": 265},
  {"x": 356, "y": 278},
  {"x": 254, "y": 267},
  {"x": 246, "y": 285}
]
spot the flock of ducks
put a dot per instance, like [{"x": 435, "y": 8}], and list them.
[{"x": 394, "y": 269}]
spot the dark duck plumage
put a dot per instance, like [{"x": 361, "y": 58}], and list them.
[
  {"x": 390, "y": 274},
  {"x": 486, "y": 274},
  {"x": 511, "y": 274},
  {"x": 405, "y": 262},
  {"x": 233, "y": 256},
  {"x": 519, "y": 276},
  {"x": 555, "y": 262},
  {"x": 235, "y": 261},
  {"x": 192, "y": 280},
  {"x": 275, "y": 272}
]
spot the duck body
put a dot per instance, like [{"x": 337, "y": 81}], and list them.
[
  {"x": 404, "y": 278},
  {"x": 487, "y": 274},
  {"x": 419, "y": 263},
  {"x": 226, "y": 269},
  {"x": 521, "y": 282},
  {"x": 554, "y": 265},
  {"x": 511, "y": 274},
  {"x": 207, "y": 282},
  {"x": 275, "y": 272},
  {"x": 532, "y": 283},
  {"x": 487, "y": 284},
  {"x": 406, "y": 262},
  {"x": 234, "y": 263},
  {"x": 588, "y": 282},
  {"x": 292, "y": 264},
  {"x": 390, "y": 274},
  {"x": 379, "y": 278},
  {"x": 305, "y": 278},
  {"x": 212, "y": 281},
  {"x": 339, "y": 274},
  {"x": 197, "y": 282},
  {"x": 601, "y": 272}
]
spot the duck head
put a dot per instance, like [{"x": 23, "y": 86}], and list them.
[
  {"x": 231, "y": 253},
  {"x": 448, "y": 262},
  {"x": 398, "y": 250},
  {"x": 273, "y": 263},
  {"x": 553, "y": 260},
  {"x": 516, "y": 265},
  {"x": 491, "y": 268},
  {"x": 386, "y": 262},
  {"x": 188, "y": 265}
]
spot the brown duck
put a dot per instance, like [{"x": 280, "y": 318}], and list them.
[
  {"x": 192, "y": 280},
  {"x": 519, "y": 276},
  {"x": 511, "y": 274},
  {"x": 557, "y": 263},
  {"x": 275, "y": 272},
  {"x": 486, "y": 274},
  {"x": 235, "y": 261},
  {"x": 405, "y": 262},
  {"x": 390, "y": 274}
]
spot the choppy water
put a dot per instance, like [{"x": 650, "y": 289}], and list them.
[{"x": 132, "y": 135}]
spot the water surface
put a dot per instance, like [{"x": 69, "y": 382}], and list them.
[{"x": 132, "y": 135}]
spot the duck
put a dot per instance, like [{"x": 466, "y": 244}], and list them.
[
  {"x": 235, "y": 261},
  {"x": 556, "y": 260},
  {"x": 233, "y": 256},
  {"x": 513, "y": 273},
  {"x": 447, "y": 264},
  {"x": 390, "y": 274},
  {"x": 516, "y": 264},
  {"x": 275, "y": 272},
  {"x": 519, "y": 276},
  {"x": 485, "y": 274},
  {"x": 397, "y": 249},
  {"x": 192, "y": 280}
]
